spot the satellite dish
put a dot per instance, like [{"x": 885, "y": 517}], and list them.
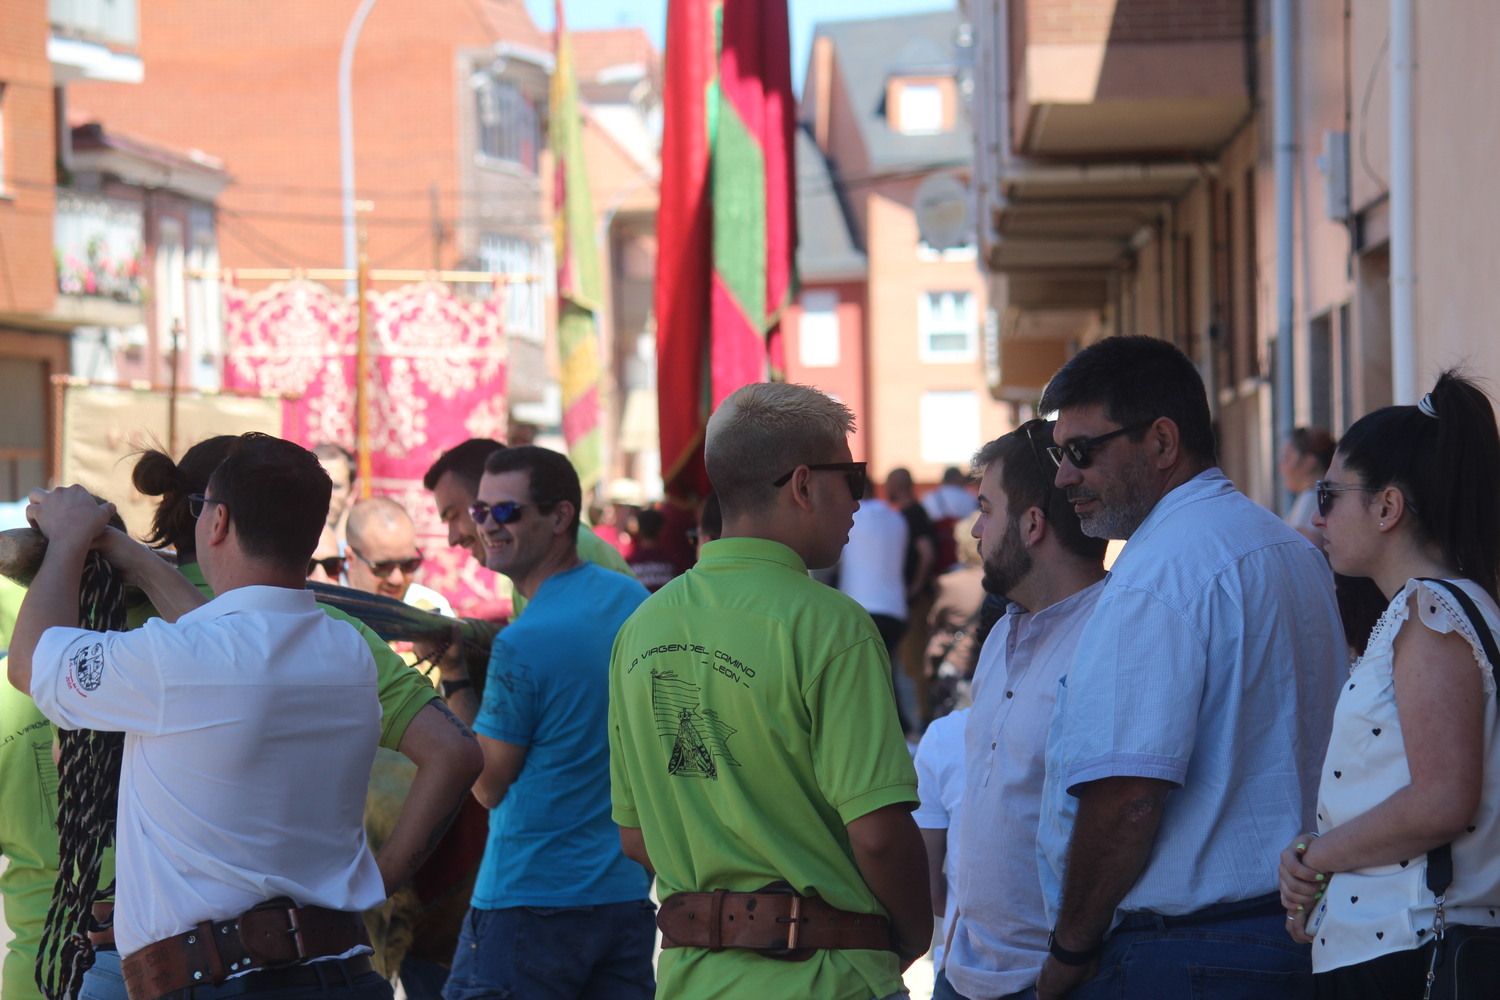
[{"x": 945, "y": 212}]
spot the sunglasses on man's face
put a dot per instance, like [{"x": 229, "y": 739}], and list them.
[
  {"x": 1080, "y": 451},
  {"x": 331, "y": 565},
  {"x": 855, "y": 475},
  {"x": 386, "y": 567},
  {"x": 508, "y": 512}
]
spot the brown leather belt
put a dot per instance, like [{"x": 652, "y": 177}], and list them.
[
  {"x": 273, "y": 935},
  {"x": 779, "y": 924}
]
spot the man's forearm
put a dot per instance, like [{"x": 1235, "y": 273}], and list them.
[
  {"x": 448, "y": 760},
  {"x": 51, "y": 600},
  {"x": 169, "y": 592},
  {"x": 1112, "y": 839},
  {"x": 889, "y": 854}
]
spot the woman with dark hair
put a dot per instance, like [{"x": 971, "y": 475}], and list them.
[
  {"x": 1411, "y": 782},
  {"x": 156, "y": 475}
]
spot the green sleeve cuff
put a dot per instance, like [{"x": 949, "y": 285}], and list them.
[{"x": 878, "y": 798}]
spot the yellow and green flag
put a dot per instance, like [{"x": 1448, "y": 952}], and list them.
[{"x": 578, "y": 282}]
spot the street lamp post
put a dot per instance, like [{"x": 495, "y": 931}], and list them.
[{"x": 346, "y": 136}]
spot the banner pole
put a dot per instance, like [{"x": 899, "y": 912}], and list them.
[{"x": 362, "y": 362}]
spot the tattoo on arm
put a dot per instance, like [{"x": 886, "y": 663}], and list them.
[{"x": 456, "y": 722}]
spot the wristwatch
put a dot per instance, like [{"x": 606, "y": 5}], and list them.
[
  {"x": 1068, "y": 957},
  {"x": 451, "y": 688}
]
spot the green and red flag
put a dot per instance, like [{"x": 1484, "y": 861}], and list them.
[
  {"x": 726, "y": 226},
  {"x": 578, "y": 282},
  {"x": 755, "y": 219}
]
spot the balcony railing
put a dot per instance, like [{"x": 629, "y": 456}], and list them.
[{"x": 113, "y": 22}]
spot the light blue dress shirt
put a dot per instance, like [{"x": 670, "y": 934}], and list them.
[{"x": 1213, "y": 661}]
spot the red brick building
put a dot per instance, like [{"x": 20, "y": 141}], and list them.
[
  {"x": 44, "y": 49},
  {"x": 449, "y": 102}
]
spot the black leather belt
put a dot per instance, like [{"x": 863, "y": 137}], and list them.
[{"x": 1260, "y": 906}]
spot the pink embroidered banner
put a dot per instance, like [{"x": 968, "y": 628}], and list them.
[{"x": 438, "y": 372}]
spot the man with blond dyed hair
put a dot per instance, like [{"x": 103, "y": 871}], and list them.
[{"x": 755, "y": 758}]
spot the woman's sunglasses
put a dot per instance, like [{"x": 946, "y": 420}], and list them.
[
  {"x": 1328, "y": 492},
  {"x": 332, "y": 565}
]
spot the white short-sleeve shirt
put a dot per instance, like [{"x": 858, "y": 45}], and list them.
[
  {"x": 1375, "y": 911},
  {"x": 940, "y": 792},
  {"x": 250, "y": 726}
]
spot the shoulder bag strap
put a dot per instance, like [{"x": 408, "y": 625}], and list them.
[{"x": 1440, "y": 859}]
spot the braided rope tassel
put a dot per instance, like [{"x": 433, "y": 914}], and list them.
[{"x": 87, "y": 792}]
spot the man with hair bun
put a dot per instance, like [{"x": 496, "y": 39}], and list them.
[{"x": 756, "y": 762}]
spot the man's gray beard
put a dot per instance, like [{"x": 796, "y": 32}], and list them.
[{"x": 1115, "y": 523}]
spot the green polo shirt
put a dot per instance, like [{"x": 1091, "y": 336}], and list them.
[
  {"x": 28, "y": 814},
  {"x": 752, "y": 719},
  {"x": 591, "y": 548}
]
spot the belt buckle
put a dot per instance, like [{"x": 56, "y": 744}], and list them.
[
  {"x": 252, "y": 932},
  {"x": 790, "y": 952}
]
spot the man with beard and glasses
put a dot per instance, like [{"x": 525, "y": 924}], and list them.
[
  {"x": 1189, "y": 731},
  {"x": 1035, "y": 553}
]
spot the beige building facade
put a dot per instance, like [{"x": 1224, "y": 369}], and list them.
[
  {"x": 889, "y": 135},
  {"x": 1129, "y": 183}
]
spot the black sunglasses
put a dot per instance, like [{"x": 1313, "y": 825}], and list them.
[
  {"x": 855, "y": 475},
  {"x": 1327, "y": 492},
  {"x": 386, "y": 567},
  {"x": 196, "y": 503},
  {"x": 332, "y": 565},
  {"x": 508, "y": 512},
  {"x": 1080, "y": 451},
  {"x": 1028, "y": 429}
]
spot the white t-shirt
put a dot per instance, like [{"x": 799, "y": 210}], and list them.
[
  {"x": 940, "y": 791},
  {"x": 250, "y": 726},
  {"x": 949, "y": 501},
  {"x": 1374, "y": 911},
  {"x": 870, "y": 568}
]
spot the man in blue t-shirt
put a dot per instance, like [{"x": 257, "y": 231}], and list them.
[{"x": 558, "y": 910}]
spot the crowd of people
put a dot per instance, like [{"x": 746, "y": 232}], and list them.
[{"x": 1196, "y": 771}]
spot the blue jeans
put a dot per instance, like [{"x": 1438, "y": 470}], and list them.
[
  {"x": 104, "y": 980},
  {"x": 943, "y": 990},
  {"x": 1229, "y": 958},
  {"x": 543, "y": 953},
  {"x": 421, "y": 979}
]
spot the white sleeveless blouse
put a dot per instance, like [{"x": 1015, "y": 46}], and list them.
[{"x": 1375, "y": 911}]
